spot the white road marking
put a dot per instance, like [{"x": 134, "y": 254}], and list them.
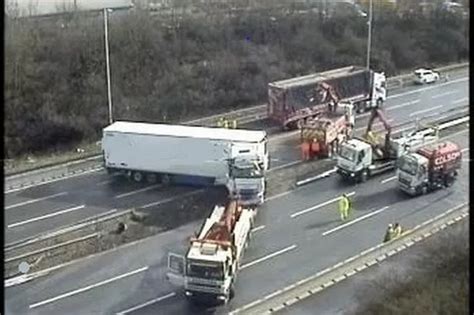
[
  {"x": 35, "y": 200},
  {"x": 170, "y": 199},
  {"x": 443, "y": 94},
  {"x": 296, "y": 214},
  {"x": 259, "y": 260},
  {"x": 429, "y": 88},
  {"x": 464, "y": 99},
  {"x": 89, "y": 287},
  {"x": 47, "y": 216},
  {"x": 425, "y": 110},
  {"x": 258, "y": 228},
  {"x": 283, "y": 166},
  {"x": 279, "y": 195},
  {"x": 105, "y": 182},
  {"x": 403, "y": 105},
  {"x": 464, "y": 150},
  {"x": 137, "y": 191},
  {"x": 386, "y": 180},
  {"x": 137, "y": 307},
  {"x": 53, "y": 180},
  {"x": 368, "y": 215}
]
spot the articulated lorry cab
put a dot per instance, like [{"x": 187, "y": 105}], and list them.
[
  {"x": 189, "y": 155},
  {"x": 430, "y": 168},
  {"x": 292, "y": 101},
  {"x": 209, "y": 268}
]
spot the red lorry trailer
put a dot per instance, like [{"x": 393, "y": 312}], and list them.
[
  {"x": 430, "y": 168},
  {"x": 292, "y": 101}
]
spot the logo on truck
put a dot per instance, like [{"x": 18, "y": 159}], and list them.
[{"x": 447, "y": 158}]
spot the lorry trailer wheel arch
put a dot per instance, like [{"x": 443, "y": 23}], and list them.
[{"x": 137, "y": 176}]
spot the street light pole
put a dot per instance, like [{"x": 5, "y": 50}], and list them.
[
  {"x": 369, "y": 37},
  {"x": 109, "y": 92}
]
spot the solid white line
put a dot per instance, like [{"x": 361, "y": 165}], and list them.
[
  {"x": 443, "y": 94},
  {"x": 170, "y": 199},
  {"x": 464, "y": 99},
  {"x": 89, "y": 287},
  {"x": 281, "y": 251},
  {"x": 425, "y": 110},
  {"x": 294, "y": 215},
  {"x": 47, "y": 216},
  {"x": 368, "y": 215},
  {"x": 137, "y": 191},
  {"x": 53, "y": 180},
  {"x": 386, "y": 180},
  {"x": 34, "y": 200},
  {"x": 161, "y": 298},
  {"x": 464, "y": 150},
  {"x": 258, "y": 228}
]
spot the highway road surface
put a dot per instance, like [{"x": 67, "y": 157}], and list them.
[
  {"x": 297, "y": 234},
  {"x": 51, "y": 205}
]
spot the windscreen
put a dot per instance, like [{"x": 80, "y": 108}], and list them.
[
  {"x": 206, "y": 270},
  {"x": 248, "y": 171},
  {"x": 348, "y": 153},
  {"x": 408, "y": 164}
]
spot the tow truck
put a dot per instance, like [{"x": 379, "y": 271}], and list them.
[
  {"x": 324, "y": 133},
  {"x": 210, "y": 266},
  {"x": 361, "y": 158}
]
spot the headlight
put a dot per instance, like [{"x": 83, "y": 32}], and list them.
[{"x": 352, "y": 174}]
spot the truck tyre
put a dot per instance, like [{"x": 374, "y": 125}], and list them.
[
  {"x": 379, "y": 103},
  {"x": 231, "y": 292},
  {"x": 363, "y": 176},
  {"x": 424, "y": 190},
  {"x": 151, "y": 178},
  {"x": 165, "y": 179},
  {"x": 299, "y": 124},
  {"x": 137, "y": 177}
]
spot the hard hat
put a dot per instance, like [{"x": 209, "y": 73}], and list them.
[{"x": 390, "y": 225}]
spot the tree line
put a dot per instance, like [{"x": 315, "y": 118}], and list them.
[{"x": 167, "y": 68}]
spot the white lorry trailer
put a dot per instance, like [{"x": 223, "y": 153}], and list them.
[
  {"x": 210, "y": 266},
  {"x": 189, "y": 155}
]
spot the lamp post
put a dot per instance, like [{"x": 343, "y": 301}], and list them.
[
  {"x": 107, "y": 61},
  {"x": 369, "y": 37}
]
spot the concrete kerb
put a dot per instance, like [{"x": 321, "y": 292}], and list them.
[
  {"x": 372, "y": 256},
  {"x": 93, "y": 155}
]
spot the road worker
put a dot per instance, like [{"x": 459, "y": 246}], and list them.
[
  {"x": 397, "y": 230},
  {"x": 305, "y": 147},
  {"x": 220, "y": 122},
  {"x": 389, "y": 233},
  {"x": 226, "y": 123},
  {"x": 344, "y": 206}
]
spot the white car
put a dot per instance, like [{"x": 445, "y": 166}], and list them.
[{"x": 423, "y": 76}]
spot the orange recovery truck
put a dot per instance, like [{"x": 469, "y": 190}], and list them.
[{"x": 320, "y": 136}]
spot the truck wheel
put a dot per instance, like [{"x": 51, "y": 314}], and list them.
[
  {"x": 424, "y": 190},
  {"x": 379, "y": 103},
  {"x": 151, "y": 178},
  {"x": 137, "y": 176},
  {"x": 232, "y": 292},
  {"x": 299, "y": 124},
  {"x": 363, "y": 176},
  {"x": 165, "y": 179}
]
